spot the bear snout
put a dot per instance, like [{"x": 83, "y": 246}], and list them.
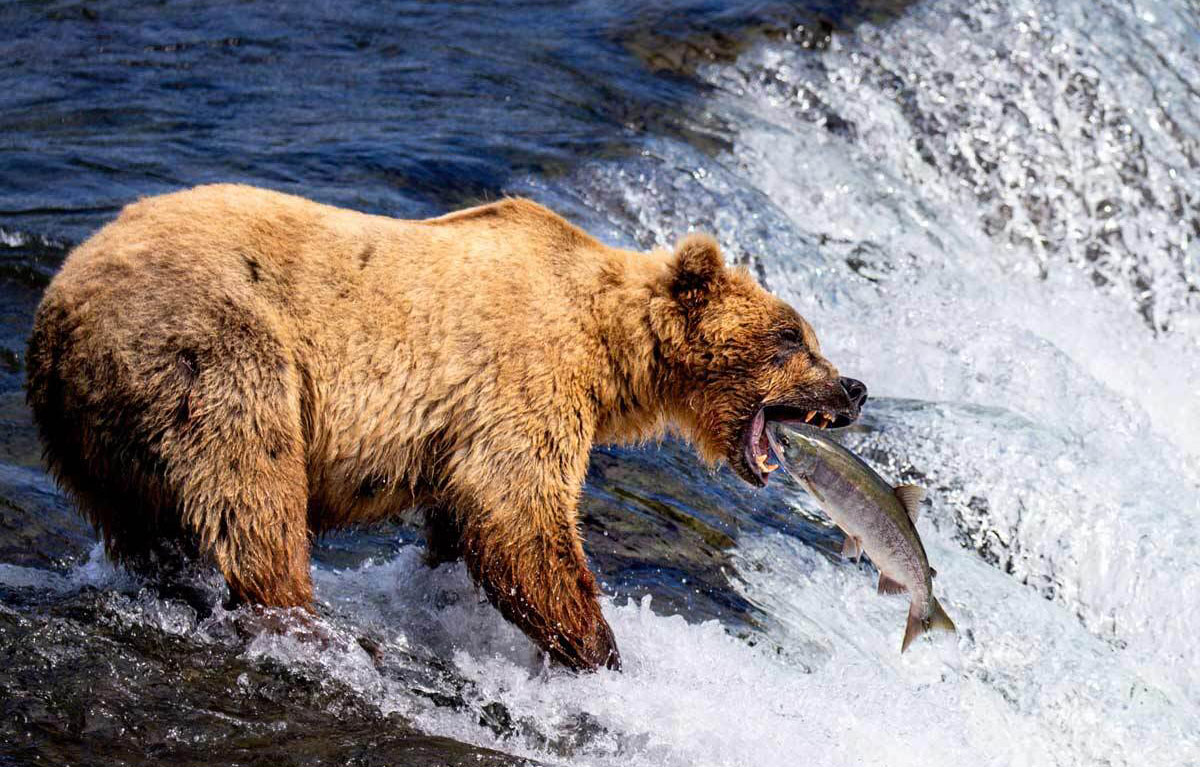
[{"x": 856, "y": 391}]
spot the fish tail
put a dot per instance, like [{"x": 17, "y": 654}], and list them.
[{"x": 918, "y": 625}]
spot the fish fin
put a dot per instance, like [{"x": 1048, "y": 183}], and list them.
[
  {"x": 932, "y": 573},
  {"x": 850, "y": 547},
  {"x": 890, "y": 586},
  {"x": 939, "y": 620},
  {"x": 917, "y": 625},
  {"x": 910, "y": 497},
  {"x": 812, "y": 489},
  {"x": 915, "y": 628}
]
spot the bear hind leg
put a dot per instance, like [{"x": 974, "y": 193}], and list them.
[
  {"x": 182, "y": 422},
  {"x": 244, "y": 500},
  {"x": 236, "y": 463}
]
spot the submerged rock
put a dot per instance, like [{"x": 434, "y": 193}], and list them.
[{"x": 83, "y": 682}]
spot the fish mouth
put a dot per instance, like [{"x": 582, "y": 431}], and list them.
[{"x": 758, "y": 449}]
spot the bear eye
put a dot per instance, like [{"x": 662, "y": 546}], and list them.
[
  {"x": 790, "y": 337},
  {"x": 789, "y": 341}
]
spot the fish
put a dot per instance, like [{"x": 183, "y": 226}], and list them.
[{"x": 877, "y": 519}]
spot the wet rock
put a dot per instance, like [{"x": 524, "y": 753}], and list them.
[
  {"x": 672, "y": 45},
  {"x": 658, "y": 522},
  {"x": 81, "y": 684}
]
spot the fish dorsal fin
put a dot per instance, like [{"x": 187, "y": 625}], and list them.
[
  {"x": 890, "y": 586},
  {"x": 910, "y": 497},
  {"x": 851, "y": 549}
]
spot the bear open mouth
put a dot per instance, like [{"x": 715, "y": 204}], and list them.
[{"x": 756, "y": 446}]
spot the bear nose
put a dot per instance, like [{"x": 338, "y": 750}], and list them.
[{"x": 856, "y": 391}]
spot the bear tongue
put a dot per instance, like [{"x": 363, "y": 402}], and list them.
[
  {"x": 758, "y": 426},
  {"x": 759, "y": 445}
]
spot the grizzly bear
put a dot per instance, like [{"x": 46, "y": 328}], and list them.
[{"x": 238, "y": 370}]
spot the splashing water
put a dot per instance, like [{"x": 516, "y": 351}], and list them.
[{"x": 992, "y": 213}]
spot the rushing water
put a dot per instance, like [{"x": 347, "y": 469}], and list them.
[{"x": 989, "y": 212}]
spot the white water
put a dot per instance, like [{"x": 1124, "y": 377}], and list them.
[
  {"x": 1023, "y": 684},
  {"x": 1019, "y": 193},
  {"x": 1018, "y": 190}
]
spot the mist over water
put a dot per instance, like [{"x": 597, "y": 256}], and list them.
[{"x": 989, "y": 213}]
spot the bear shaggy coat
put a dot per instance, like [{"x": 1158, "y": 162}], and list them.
[{"x": 234, "y": 370}]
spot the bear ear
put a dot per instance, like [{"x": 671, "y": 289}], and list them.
[{"x": 697, "y": 271}]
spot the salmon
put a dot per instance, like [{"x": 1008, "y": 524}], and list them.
[{"x": 877, "y": 519}]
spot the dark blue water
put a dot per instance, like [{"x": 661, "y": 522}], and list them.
[{"x": 402, "y": 108}]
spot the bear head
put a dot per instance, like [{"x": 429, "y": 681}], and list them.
[{"x": 734, "y": 357}]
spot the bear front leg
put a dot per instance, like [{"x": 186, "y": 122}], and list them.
[
  {"x": 543, "y": 585},
  {"x": 530, "y": 564}
]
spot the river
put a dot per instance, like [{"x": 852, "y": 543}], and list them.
[{"x": 989, "y": 211}]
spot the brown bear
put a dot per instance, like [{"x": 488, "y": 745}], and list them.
[{"x": 239, "y": 370}]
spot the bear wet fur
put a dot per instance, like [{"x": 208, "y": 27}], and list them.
[{"x": 234, "y": 370}]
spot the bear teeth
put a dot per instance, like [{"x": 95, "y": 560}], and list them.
[
  {"x": 823, "y": 419},
  {"x": 763, "y": 466}
]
